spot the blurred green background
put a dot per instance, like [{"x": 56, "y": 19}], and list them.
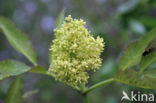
[{"x": 119, "y": 22}]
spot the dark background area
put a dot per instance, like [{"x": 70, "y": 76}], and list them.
[{"x": 119, "y": 22}]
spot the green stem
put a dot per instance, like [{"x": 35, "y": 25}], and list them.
[
  {"x": 84, "y": 95},
  {"x": 100, "y": 84},
  {"x": 85, "y": 98}
]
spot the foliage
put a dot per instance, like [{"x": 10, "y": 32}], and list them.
[
  {"x": 137, "y": 79},
  {"x": 12, "y": 68},
  {"x": 132, "y": 56},
  {"x": 14, "y": 94},
  {"x": 17, "y": 39},
  {"x": 134, "y": 51}
]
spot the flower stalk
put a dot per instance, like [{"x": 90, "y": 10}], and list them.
[
  {"x": 84, "y": 95},
  {"x": 85, "y": 98},
  {"x": 85, "y": 90},
  {"x": 100, "y": 84}
]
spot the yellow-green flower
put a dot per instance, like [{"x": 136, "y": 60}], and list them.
[{"x": 74, "y": 52}]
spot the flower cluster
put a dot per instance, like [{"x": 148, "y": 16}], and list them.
[{"x": 74, "y": 52}]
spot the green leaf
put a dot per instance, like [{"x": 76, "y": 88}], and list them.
[
  {"x": 12, "y": 68},
  {"x": 41, "y": 70},
  {"x": 136, "y": 79},
  {"x": 17, "y": 39},
  {"x": 60, "y": 19},
  {"x": 147, "y": 60},
  {"x": 133, "y": 53},
  {"x": 14, "y": 94},
  {"x": 151, "y": 74}
]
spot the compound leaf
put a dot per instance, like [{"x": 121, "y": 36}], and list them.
[
  {"x": 18, "y": 40},
  {"x": 133, "y": 53},
  {"x": 14, "y": 94},
  {"x": 12, "y": 68},
  {"x": 137, "y": 79},
  {"x": 147, "y": 60}
]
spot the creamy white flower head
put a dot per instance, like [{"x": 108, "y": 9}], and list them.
[{"x": 74, "y": 52}]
